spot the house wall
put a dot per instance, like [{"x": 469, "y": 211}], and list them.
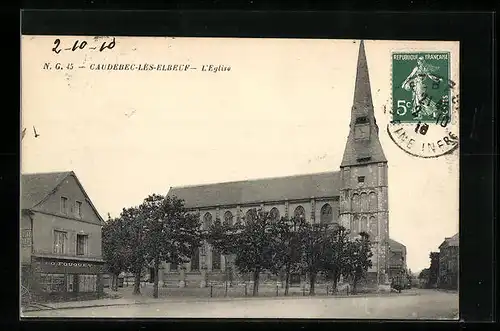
[
  {"x": 43, "y": 235},
  {"x": 26, "y": 239},
  {"x": 448, "y": 267},
  {"x": 48, "y": 216},
  {"x": 71, "y": 190}
]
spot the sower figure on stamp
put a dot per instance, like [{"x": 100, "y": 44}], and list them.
[{"x": 422, "y": 104}]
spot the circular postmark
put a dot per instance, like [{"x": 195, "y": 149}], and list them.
[{"x": 425, "y": 104}]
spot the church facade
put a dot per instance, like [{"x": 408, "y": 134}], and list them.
[{"x": 356, "y": 197}]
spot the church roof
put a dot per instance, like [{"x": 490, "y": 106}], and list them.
[
  {"x": 318, "y": 185},
  {"x": 363, "y": 151}
]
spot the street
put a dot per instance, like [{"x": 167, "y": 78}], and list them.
[{"x": 427, "y": 304}]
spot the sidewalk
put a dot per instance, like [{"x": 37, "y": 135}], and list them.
[{"x": 146, "y": 299}]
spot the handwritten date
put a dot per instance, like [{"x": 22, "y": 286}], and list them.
[{"x": 81, "y": 45}]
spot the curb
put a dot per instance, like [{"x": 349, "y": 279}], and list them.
[{"x": 197, "y": 300}]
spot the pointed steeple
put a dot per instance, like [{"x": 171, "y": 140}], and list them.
[
  {"x": 362, "y": 104},
  {"x": 363, "y": 148}
]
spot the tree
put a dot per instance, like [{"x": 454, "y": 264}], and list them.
[
  {"x": 434, "y": 269},
  {"x": 134, "y": 248},
  {"x": 314, "y": 246},
  {"x": 250, "y": 241},
  {"x": 359, "y": 254},
  {"x": 424, "y": 277},
  {"x": 114, "y": 239},
  {"x": 336, "y": 256},
  {"x": 172, "y": 234},
  {"x": 286, "y": 248}
]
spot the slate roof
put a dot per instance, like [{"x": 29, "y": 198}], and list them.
[
  {"x": 396, "y": 246},
  {"x": 452, "y": 241},
  {"x": 36, "y": 187},
  {"x": 318, "y": 185},
  {"x": 363, "y": 106}
]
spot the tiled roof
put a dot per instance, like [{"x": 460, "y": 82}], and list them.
[
  {"x": 396, "y": 246},
  {"x": 318, "y": 185},
  {"x": 36, "y": 187}
]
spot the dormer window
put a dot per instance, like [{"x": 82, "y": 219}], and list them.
[
  {"x": 361, "y": 120},
  {"x": 364, "y": 159}
]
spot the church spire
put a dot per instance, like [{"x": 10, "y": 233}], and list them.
[
  {"x": 362, "y": 103},
  {"x": 363, "y": 145}
]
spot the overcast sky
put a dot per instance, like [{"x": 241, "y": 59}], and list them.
[{"x": 282, "y": 109}]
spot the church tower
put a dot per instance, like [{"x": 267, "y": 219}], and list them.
[{"x": 363, "y": 172}]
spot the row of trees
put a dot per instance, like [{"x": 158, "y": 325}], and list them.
[
  {"x": 161, "y": 230},
  {"x": 292, "y": 246}
]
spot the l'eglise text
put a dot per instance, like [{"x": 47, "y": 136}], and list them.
[{"x": 212, "y": 68}]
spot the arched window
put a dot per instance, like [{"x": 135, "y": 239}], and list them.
[
  {"x": 251, "y": 215},
  {"x": 364, "y": 202},
  {"x": 373, "y": 202},
  {"x": 355, "y": 203},
  {"x": 373, "y": 227},
  {"x": 274, "y": 214},
  {"x": 207, "y": 220},
  {"x": 228, "y": 218},
  {"x": 326, "y": 214},
  {"x": 355, "y": 224},
  {"x": 364, "y": 224},
  {"x": 299, "y": 212}
]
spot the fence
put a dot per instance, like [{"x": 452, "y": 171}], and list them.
[{"x": 244, "y": 289}]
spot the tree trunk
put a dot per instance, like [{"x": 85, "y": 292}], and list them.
[
  {"x": 335, "y": 281},
  {"x": 312, "y": 282},
  {"x": 354, "y": 284},
  {"x": 114, "y": 282},
  {"x": 137, "y": 283},
  {"x": 287, "y": 280},
  {"x": 155, "y": 286},
  {"x": 256, "y": 276}
]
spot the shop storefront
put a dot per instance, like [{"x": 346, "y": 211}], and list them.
[{"x": 67, "y": 278}]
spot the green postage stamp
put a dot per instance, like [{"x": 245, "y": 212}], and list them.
[
  {"x": 424, "y": 103},
  {"x": 421, "y": 87}
]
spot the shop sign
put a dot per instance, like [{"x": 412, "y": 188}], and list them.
[{"x": 68, "y": 264}]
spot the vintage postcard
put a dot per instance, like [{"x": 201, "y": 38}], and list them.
[{"x": 239, "y": 178}]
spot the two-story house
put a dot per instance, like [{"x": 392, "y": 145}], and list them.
[
  {"x": 60, "y": 237},
  {"x": 448, "y": 263}
]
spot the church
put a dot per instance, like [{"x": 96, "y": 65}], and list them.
[{"x": 356, "y": 197}]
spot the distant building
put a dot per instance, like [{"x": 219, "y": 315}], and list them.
[
  {"x": 60, "y": 237},
  {"x": 397, "y": 260},
  {"x": 448, "y": 263}
]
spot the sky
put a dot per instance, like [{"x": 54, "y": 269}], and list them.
[{"x": 283, "y": 108}]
